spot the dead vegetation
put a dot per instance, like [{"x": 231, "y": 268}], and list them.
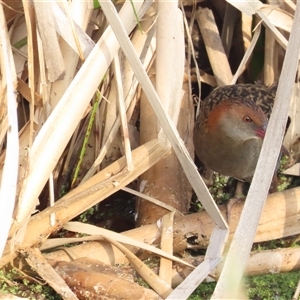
[{"x": 89, "y": 123}]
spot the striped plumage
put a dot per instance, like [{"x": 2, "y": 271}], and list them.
[{"x": 259, "y": 94}]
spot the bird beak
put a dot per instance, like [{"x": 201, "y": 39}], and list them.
[{"x": 261, "y": 133}]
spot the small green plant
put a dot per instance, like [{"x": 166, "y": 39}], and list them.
[
  {"x": 219, "y": 188},
  {"x": 11, "y": 283},
  {"x": 272, "y": 286},
  {"x": 284, "y": 182},
  {"x": 85, "y": 216},
  {"x": 265, "y": 287},
  {"x": 204, "y": 291}
]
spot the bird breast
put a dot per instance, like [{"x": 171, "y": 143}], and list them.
[{"x": 228, "y": 156}]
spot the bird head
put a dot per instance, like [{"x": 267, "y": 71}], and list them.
[{"x": 238, "y": 120}]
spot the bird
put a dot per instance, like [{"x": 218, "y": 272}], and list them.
[{"x": 230, "y": 128}]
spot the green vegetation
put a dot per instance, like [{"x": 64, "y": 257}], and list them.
[
  {"x": 219, "y": 190},
  {"x": 265, "y": 287},
  {"x": 273, "y": 286},
  {"x": 10, "y": 282}
]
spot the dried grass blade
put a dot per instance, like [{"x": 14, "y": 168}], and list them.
[
  {"x": 165, "y": 121},
  {"x": 294, "y": 129},
  {"x": 290, "y": 4},
  {"x": 191, "y": 52},
  {"x": 165, "y": 268},
  {"x": 247, "y": 55},
  {"x": 10, "y": 171},
  {"x": 81, "y": 13},
  {"x": 158, "y": 285},
  {"x": 212, "y": 259},
  {"x": 293, "y": 170},
  {"x": 184, "y": 290},
  {"x": 151, "y": 199},
  {"x": 122, "y": 111},
  {"x": 270, "y": 62},
  {"x": 47, "y": 32},
  {"x": 97, "y": 188},
  {"x": 32, "y": 48},
  {"x": 57, "y": 130},
  {"x": 231, "y": 15},
  {"x": 169, "y": 63},
  {"x": 265, "y": 13},
  {"x": 247, "y": 7},
  {"x": 147, "y": 53},
  {"x": 277, "y": 34},
  {"x": 94, "y": 230},
  {"x": 25, "y": 91},
  {"x": 172, "y": 134},
  {"x": 240, "y": 248},
  {"x": 66, "y": 30},
  {"x": 278, "y": 17},
  {"x": 213, "y": 45},
  {"x": 38, "y": 263}
]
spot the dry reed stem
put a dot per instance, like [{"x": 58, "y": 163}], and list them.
[
  {"x": 122, "y": 112},
  {"x": 247, "y": 7},
  {"x": 278, "y": 17},
  {"x": 47, "y": 33},
  {"x": 168, "y": 78},
  {"x": 165, "y": 268},
  {"x": 277, "y": 34},
  {"x": 261, "y": 262},
  {"x": 39, "y": 264},
  {"x": 231, "y": 15},
  {"x": 293, "y": 132},
  {"x": 290, "y": 4},
  {"x": 194, "y": 279},
  {"x": 278, "y": 220},
  {"x": 214, "y": 246},
  {"x": 214, "y": 47},
  {"x": 146, "y": 50},
  {"x": 101, "y": 233},
  {"x": 165, "y": 121},
  {"x": 191, "y": 53},
  {"x": 25, "y": 91},
  {"x": 97, "y": 188},
  {"x": 59, "y": 127},
  {"x": 85, "y": 275},
  {"x": 270, "y": 64},
  {"x": 247, "y": 55},
  {"x": 151, "y": 199},
  {"x": 8, "y": 186},
  {"x": 169, "y": 64},
  {"x": 220, "y": 233},
  {"x": 240, "y": 248},
  {"x": 157, "y": 284},
  {"x": 81, "y": 14}
]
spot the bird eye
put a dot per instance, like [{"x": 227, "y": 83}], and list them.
[{"x": 247, "y": 119}]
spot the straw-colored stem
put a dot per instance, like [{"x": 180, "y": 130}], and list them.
[
  {"x": 8, "y": 185},
  {"x": 214, "y": 47},
  {"x": 122, "y": 112},
  {"x": 57, "y": 130},
  {"x": 240, "y": 248}
]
